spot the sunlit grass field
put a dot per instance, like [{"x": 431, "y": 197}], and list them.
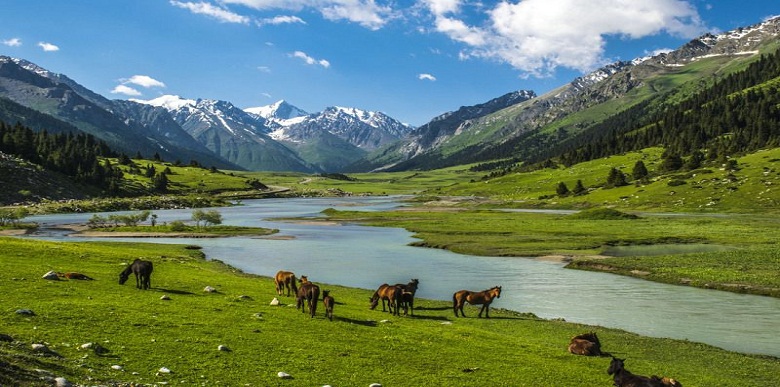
[{"x": 143, "y": 333}]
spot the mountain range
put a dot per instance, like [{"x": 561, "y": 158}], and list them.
[{"x": 519, "y": 125}]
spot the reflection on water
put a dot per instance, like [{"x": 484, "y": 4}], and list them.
[{"x": 366, "y": 257}]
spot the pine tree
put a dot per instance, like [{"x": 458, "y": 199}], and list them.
[
  {"x": 562, "y": 189},
  {"x": 616, "y": 178},
  {"x": 579, "y": 188},
  {"x": 640, "y": 171}
]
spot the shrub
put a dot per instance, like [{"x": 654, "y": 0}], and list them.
[{"x": 602, "y": 214}]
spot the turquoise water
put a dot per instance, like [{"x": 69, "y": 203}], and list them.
[{"x": 366, "y": 257}]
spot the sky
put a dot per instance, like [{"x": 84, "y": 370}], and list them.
[{"x": 410, "y": 59}]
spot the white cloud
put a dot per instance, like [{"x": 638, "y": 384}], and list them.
[
  {"x": 126, "y": 90},
  {"x": 208, "y": 9},
  {"x": 309, "y": 60},
  {"x": 281, "y": 19},
  {"x": 13, "y": 42},
  {"x": 536, "y": 36},
  {"x": 264, "y": 69},
  {"x": 144, "y": 81},
  {"x": 364, "y": 12},
  {"x": 427, "y": 77},
  {"x": 48, "y": 47}
]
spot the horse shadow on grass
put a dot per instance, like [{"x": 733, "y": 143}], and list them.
[
  {"x": 174, "y": 291},
  {"x": 367, "y": 323}
]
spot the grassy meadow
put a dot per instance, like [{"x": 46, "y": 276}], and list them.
[{"x": 142, "y": 333}]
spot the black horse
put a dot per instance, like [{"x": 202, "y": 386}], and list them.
[{"x": 143, "y": 274}]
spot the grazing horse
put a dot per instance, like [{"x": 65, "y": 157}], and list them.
[
  {"x": 484, "y": 297},
  {"x": 407, "y": 296},
  {"x": 328, "y": 301},
  {"x": 586, "y": 344},
  {"x": 285, "y": 279},
  {"x": 392, "y": 294},
  {"x": 310, "y": 293},
  {"x": 143, "y": 274},
  {"x": 624, "y": 378}
]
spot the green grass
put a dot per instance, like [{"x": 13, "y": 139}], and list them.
[
  {"x": 709, "y": 189},
  {"x": 144, "y": 333},
  {"x": 745, "y": 258},
  {"x": 751, "y": 270}
]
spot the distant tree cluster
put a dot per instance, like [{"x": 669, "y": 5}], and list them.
[{"x": 74, "y": 155}]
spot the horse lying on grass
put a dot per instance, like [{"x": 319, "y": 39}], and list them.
[
  {"x": 586, "y": 344},
  {"x": 624, "y": 378}
]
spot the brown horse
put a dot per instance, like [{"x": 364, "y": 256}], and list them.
[
  {"x": 391, "y": 294},
  {"x": 586, "y": 344},
  {"x": 624, "y": 378},
  {"x": 484, "y": 297},
  {"x": 407, "y": 297},
  {"x": 143, "y": 274},
  {"x": 310, "y": 293},
  {"x": 285, "y": 279},
  {"x": 328, "y": 301}
]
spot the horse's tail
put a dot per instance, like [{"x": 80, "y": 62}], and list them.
[
  {"x": 293, "y": 280},
  {"x": 455, "y": 303}
]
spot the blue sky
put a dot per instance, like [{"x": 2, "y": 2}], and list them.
[{"x": 411, "y": 59}]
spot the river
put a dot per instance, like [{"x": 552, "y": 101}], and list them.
[{"x": 365, "y": 257}]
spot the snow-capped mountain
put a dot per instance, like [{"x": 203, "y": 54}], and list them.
[
  {"x": 279, "y": 114},
  {"x": 60, "y": 97},
  {"x": 235, "y": 135}
]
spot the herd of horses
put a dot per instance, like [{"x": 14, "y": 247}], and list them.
[
  {"x": 394, "y": 298},
  {"x": 399, "y": 297},
  {"x": 588, "y": 344}
]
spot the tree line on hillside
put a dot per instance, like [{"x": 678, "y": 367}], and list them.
[
  {"x": 738, "y": 114},
  {"x": 74, "y": 155}
]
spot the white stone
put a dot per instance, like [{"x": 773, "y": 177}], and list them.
[
  {"x": 223, "y": 348},
  {"x": 51, "y": 275},
  {"x": 164, "y": 370},
  {"x": 165, "y": 297},
  {"x": 62, "y": 382},
  {"x": 284, "y": 375},
  {"x": 116, "y": 367},
  {"x": 275, "y": 302},
  {"x": 209, "y": 289}
]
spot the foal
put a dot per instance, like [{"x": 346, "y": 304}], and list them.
[{"x": 328, "y": 301}]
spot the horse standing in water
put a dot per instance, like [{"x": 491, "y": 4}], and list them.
[
  {"x": 285, "y": 279},
  {"x": 143, "y": 274},
  {"x": 484, "y": 297}
]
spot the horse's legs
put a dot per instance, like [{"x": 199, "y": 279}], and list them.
[{"x": 137, "y": 281}]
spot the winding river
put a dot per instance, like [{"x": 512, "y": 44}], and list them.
[{"x": 364, "y": 257}]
